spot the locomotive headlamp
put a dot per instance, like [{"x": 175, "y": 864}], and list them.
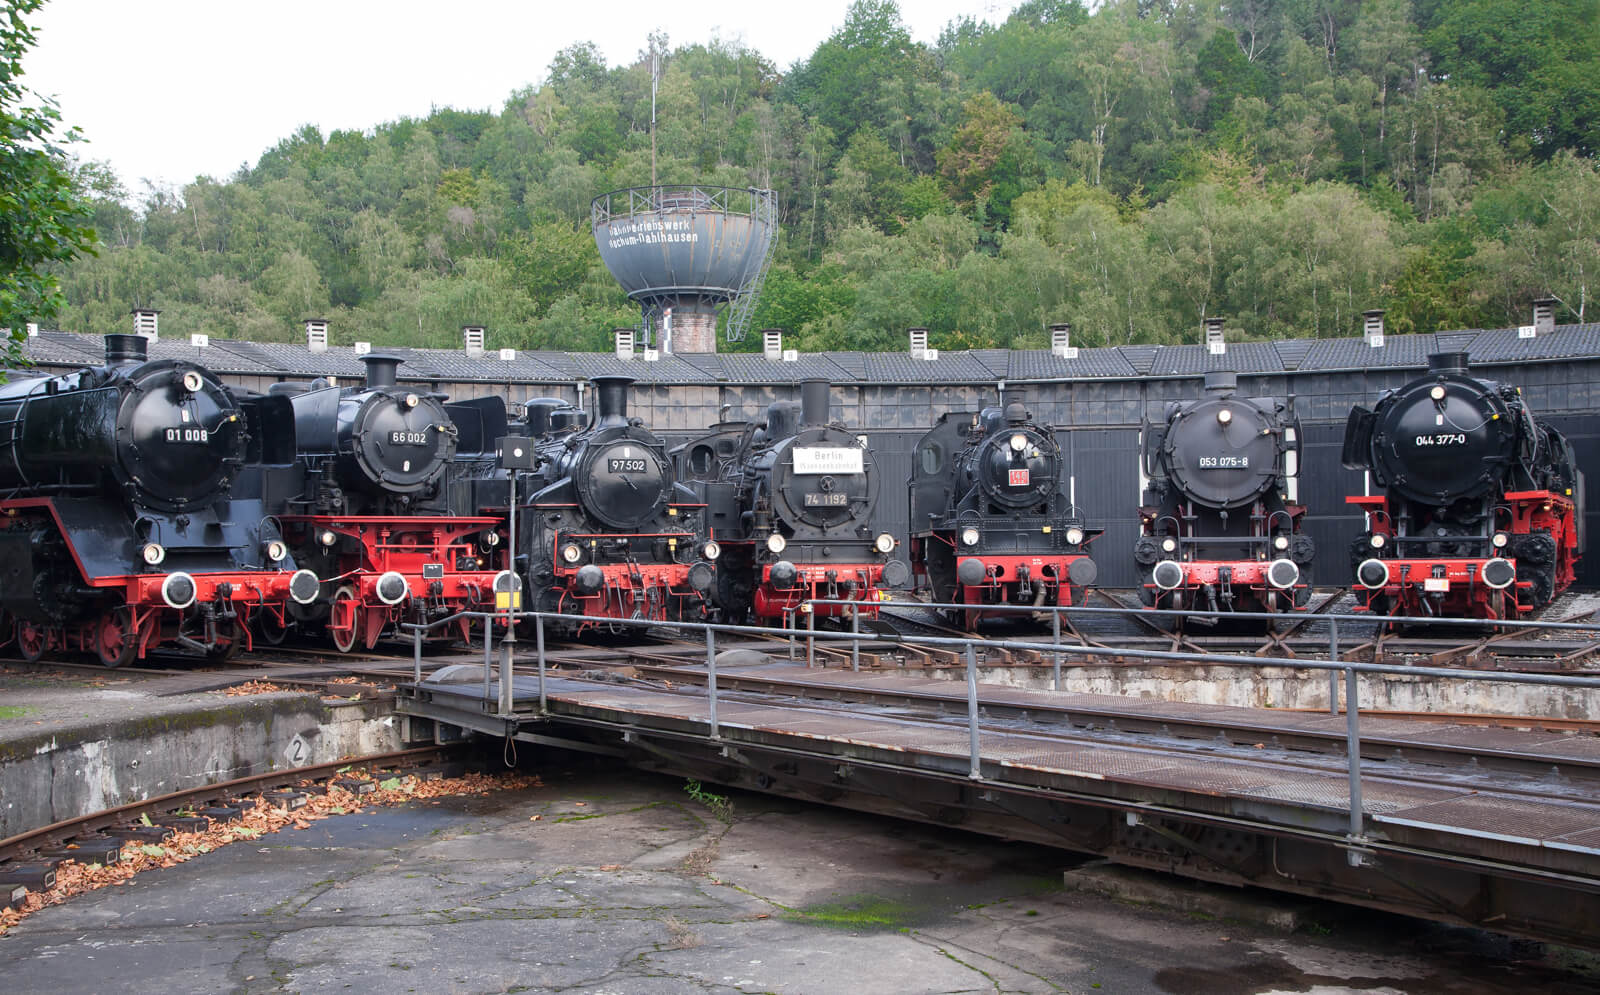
[
  {"x": 490, "y": 540},
  {"x": 1437, "y": 392},
  {"x": 1074, "y": 536},
  {"x": 328, "y": 537},
  {"x": 275, "y": 550},
  {"x": 1019, "y": 442},
  {"x": 1224, "y": 416},
  {"x": 969, "y": 537},
  {"x": 192, "y": 381},
  {"x": 1169, "y": 545},
  {"x": 777, "y": 543},
  {"x": 1280, "y": 543},
  {"x": 1376, "y": 541},
  {"x": 1500, "y": 539},
  {"x": 884, "y": 543},
  {"x": 711, "y": 550},
  {"x": 412, "y": 400},
  {"x": 571, "y": 552},
  {"x": 153, "y": 553}
]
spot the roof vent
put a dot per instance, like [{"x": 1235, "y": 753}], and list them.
[
  {"x": 33, "y": 329},
  {"x": 1214, "y": 343},
  {"x": 1372, "y": 327},
  {"x": 472, "y": 339},
  {"x": 791, "y": 355},
  {"x": 1544, "y": 318},
  {"x": 199, "y": 340},
  {"x": 919, "y": 343},
  {"x": 508, "y": 355},
  {"x": 317, "y": 334},
  {"x": 362, "y": 348},
  {"x": 1061, "y": 341},
  {"x": 772, "y": 343},
  {"x": 624, "y": 342},
  {"x": 145, "y": 323}
]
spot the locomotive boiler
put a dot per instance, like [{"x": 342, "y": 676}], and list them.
[
  {"x": 1479, "y": 506},
  {"x": 790, "y": 501},
  {"x": 1220, "y": 521},
  {"x": 121, "y": 528},
  {"x": 608, "y": 531},
  {"x": 368, "y": 509},
  {"x": 991, "y": 523}
]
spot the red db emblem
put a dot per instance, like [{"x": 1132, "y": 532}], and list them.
[{"x": 1019, "y": 478}]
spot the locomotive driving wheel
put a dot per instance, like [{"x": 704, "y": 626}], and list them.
[
  {"x": 344, "y": 618},
  {"x": 32, "y": 640},
  {"x": 116, "y": 640}
]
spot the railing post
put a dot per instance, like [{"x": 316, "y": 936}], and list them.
[
  {"x": 538, "y": 636},
  {"x": 790, "y": 624},
  {"x": 711, "y": 679},
  {"x": 416, "y": 655},
  {"x": 1055, "y": 638},
  {"x": 508, "y": 649},
  {"x": 855, "y": 641},
  {"x": 972, "y": 712},
  {"x": 1352, "y": 710},
  {"x": 811, "y": 640},
  {"x": 1333, "y": 657},
  {"x": 488, "y": 654}
]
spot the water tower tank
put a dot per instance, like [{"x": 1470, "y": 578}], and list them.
[{"x": 686, "y": 252}]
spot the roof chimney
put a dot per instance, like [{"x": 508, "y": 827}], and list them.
[
  {"x": 472, "y": 339},
  {"x": 624, "y": 341},
  {"x": 1061, "y": 341},
  {"x": 919, "y": 342},
  {"x": 145, "y": 323},
  {"x": 1213, "y": 337},
  {"x": 1372, "y": 327},
  {"x": 1544, "y": 316},
  {"x": 317, "y": 334},
  {"x": 772, "y": 343}
]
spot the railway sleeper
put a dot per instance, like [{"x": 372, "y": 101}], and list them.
[{"x": 35, "y": 875}]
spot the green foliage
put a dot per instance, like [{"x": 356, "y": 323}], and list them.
[
  {"x": 43, "y": 217},
  {"x": 1127, "y": 167},
  {"x": 721, "y": 806}
]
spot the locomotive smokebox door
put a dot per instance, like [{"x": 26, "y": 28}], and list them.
[{"x": 515, "y": 452}]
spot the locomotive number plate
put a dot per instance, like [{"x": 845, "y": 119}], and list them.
[
  {"x": 815, "y": 459},
  {"x": 625, "y": 466},
  {"x": 1017, "y": 478},
  {"x": 1436, "y": 583},
  {"x": 1442, "y": 439},
  {"x": 408, "y": 438},
  {"x": 837, "y": 499},
  {"x": 196, "y": 435},
  {"x": 1224, "y": 462}
]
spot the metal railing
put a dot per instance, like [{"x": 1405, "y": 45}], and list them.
[{"x": 1348, "y": 669}]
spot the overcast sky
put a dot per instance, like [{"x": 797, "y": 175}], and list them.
[{"x": 171, "y": 89}]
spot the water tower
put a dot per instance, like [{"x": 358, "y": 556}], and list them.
[{"x": 686, "y": 252}]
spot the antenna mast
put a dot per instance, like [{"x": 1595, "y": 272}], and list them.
[{"x": 655, "y": 79}]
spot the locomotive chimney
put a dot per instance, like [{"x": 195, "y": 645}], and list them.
[
  {"x": 126, "y": 350},
  {"x": 611, "y": 395},
  {"x": 381, "y": 369},
  {"x": 1222, "y": 381},
  {"x": 814, "y": 402},
  {"x": 1447, "y": 362}
]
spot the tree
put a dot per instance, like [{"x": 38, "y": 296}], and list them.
[{"x": 44, "y": 218}]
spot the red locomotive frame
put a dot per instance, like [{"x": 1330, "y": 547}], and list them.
[
  {"x": 811, "y": 582},
  {"x": 631, "y": 589}
]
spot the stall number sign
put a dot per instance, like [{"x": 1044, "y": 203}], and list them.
[
  {"x": 830, "y": 460},
  {"x": 1018, "y": 478},
  {"x": 1224, "y": 462}
]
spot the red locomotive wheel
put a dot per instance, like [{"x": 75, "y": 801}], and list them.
[
  {"x": 32, "y": 640},
  {"x": 117, "y": 639},
  {"x": 344, "y": 618}
]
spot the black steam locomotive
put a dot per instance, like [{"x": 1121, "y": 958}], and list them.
[
  {"x": 367, "y": 507},
  {"x": 789, "y": 501},
  {"x": 1480, "y": 510},
  {"x": 131, "y": 516},
  {"x": 1220, "y": 520},
  {"x": 607, "y": 531},
  {"x": 990, "y": 520}
]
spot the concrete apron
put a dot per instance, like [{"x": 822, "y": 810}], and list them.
[
  {"x": 61, "y": 773},
  {"x": 1293, "y": 687}
]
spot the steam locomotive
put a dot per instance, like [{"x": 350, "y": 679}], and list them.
[
  {"x": 990, "y": 522},
  {"x": 132, "y": 515},
  {"x": 367, "y": 507},
  {"x": 1481, "y": 506},
  {"x": 607, "y": 530},
  {"x": 789, "y": 500},
  {"x": 1220, "y": 520}
]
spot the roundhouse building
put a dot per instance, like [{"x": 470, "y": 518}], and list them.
[{"x": 1100, "y": 396}]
